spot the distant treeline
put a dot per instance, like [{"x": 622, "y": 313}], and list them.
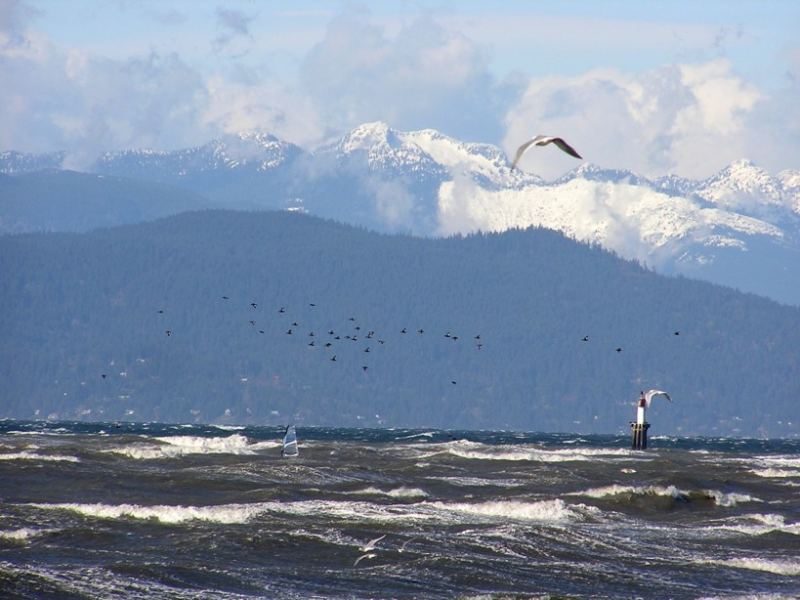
[{"x": 83, "y": 335}]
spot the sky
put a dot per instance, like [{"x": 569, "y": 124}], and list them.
[{"x": 670, "y": 87}]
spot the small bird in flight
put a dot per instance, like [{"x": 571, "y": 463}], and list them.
[
  {"x": 370, "y": 545},
  {"x": 254, "y": 305},
  {"x": 363, "y": 556},
  {"x": 168, "y": 332},
  {"x": 585, "y": 338},
  {"x": 543, "y": 140}
]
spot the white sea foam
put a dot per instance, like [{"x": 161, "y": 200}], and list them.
[
  {"x": 772, "y": 472},
  {"x": 224, "y": 513},
  {"x": 25, "y": 533},
  {"x": 243, "y": 513},
  {"x": 401, "y": 492},
  {"x": 479, "y": 482},
  {"x": 778, "y": 567},
  {"x": 24, "y": 455},
  {"x": 757, "y": 524},
  {"x": 720, "y": 498},
  {"x": 475, "y": 450},
  {"x": 182, "y": 445},
  {"x": 555, "y": 511},
  {"x": 730, "y": 498},
  {"x": 768, "y": 461}
]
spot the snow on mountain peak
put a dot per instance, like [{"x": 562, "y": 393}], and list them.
[
  {"x": 746, "y": 188},
  {"x": 428, "y": 152}
]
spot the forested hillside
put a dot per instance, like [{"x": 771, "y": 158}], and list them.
[
  {"x": 84, "y": 335},
  {"x": 70, "y": 201}
]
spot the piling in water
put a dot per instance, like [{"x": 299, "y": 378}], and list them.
[{"x": 639, "y": 435}]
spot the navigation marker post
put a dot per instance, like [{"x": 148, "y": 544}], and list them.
[{"x": 640, "y": 427}]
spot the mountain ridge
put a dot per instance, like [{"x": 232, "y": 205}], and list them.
[
  {"x": 429, "y": 184},
  {"x": 104, "y": 300}
]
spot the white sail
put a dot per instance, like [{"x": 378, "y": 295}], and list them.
[{"x": 290, "y": 442}]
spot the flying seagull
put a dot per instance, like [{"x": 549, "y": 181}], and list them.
[
  {"x": 370, "y": 545},
  {"x": 650, "y": 394},
  {"x": 543, "y": 140},
  {"x": 363, "y": 556}
]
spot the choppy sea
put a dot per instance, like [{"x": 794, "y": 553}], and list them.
[{"x": 151, "y": 511}]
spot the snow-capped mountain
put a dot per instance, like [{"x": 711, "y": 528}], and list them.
[
  {"x": 18, "y": 163},
  {"x": 740, "y": 227},
  {"x": 740, "y": 217},
  {"x": 425, "y": 154},
  {"x": 244, "y": 151}
]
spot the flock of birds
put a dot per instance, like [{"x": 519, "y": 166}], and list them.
[
  {"x": 371, "y": 545},
  {"x": 329, "y": 339},
  {"x": 369, "y": 337}
]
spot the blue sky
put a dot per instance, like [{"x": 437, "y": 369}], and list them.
[{"x": 689, "y": 86}]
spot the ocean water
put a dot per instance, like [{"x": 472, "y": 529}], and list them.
[{"x": 185, "y": 511}]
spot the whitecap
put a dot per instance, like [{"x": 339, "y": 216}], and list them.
[
  {"x": 554, "y": 511},
  {"x": 24, "y": 455},
  {"x": 478, "y": 482},
  {"x": 224, "y": 513},
  {"x": 778, "y": 567},
  {"x": 772, "y": 472},
  {"x": 25, "y": 533},
  {"x": 181, "y": 445},
  {"x": 401, "y": 492},
  {"x": 757, "y": 524},
  {"x": 726, "y": 499},
  {"x": 475, "y": 450}
]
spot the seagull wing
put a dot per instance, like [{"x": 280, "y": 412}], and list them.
[
  {"x": 362, "y": 557},
  {"x": 566, "y": 147},
  {"x": 543, "y": 140},
  {"x": 521, "y": 150},
  {"x": 650, "y": 394},
  {"x": 371, "y": 544}
]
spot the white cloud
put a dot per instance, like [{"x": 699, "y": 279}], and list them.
[
  {"x": 261, "y": 104},
  {"x": 687, "y": 119},
  {"x": 423, "y": 76}
]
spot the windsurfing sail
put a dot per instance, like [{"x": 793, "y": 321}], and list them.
[{"x": 289, "y": 442}]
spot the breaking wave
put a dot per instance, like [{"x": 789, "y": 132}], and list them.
[
  {"x": 401, "y": 492},
  {"x": 25, "y": 533},
  {"x": 182, "y": 445},
  {"x": 757, "y": 524},
  {"x": 475, "y": 450},
  {"x": 225, "y": 513},
  {"x": 554, "y": 511},
  {"x": 778, "y": 567},
  {"x": 772, "y": 472},
  {"x": 726, "y": 499},
  {"x": 25, "y": 455}
]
